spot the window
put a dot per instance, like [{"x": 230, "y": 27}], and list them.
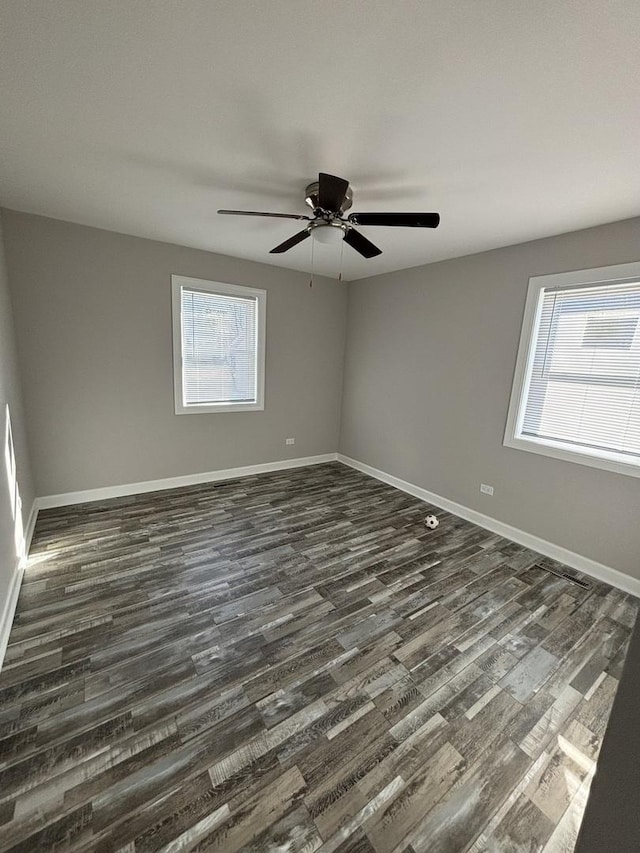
[
  {"x": 218, "y": 346},
  {"x": 576, "y": 391}
]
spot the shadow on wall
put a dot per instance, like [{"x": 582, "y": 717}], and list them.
[{"x": 14, "y": 490}]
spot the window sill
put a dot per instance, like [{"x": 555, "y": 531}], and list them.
[
  {"x": 218, "y": 408},
  {"x": 609, "y": 462}
]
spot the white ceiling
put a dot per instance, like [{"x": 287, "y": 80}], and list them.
[{"x": 514, "y": 119}]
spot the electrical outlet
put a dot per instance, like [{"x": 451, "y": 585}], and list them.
[
  {"x": 486, "y": 490},
  {"x": 289, "y": 441}
]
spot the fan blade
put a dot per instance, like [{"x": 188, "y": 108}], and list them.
[
  {"x": 360, "y": 243},
  {"x": 331, "y": 192},
  {"x": 290, "y": 243},
  {"x": 258, "y": 213},
  {"x": 405, "y": 220}
]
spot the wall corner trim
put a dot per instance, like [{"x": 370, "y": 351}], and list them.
[
  {"x": 102, "y": 494},
  {"x": 9, "y": 610},
  {"x": 590, "y": 567}
]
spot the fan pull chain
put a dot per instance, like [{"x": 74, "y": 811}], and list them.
[
  {"x": 341, "y": 259},
  {"x": 312, "y": 247}
]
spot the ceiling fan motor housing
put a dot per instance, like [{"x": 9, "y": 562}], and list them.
[{"x": 311, "y": 197}]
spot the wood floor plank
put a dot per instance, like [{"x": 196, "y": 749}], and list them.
[
  {"x": 422, "y": 792},
  {"x": 293, "y": 662}
]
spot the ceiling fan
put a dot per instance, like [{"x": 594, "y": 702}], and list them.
[{"x": 329, "y": 198}]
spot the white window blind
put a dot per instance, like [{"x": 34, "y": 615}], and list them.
[
  {"x": 580, "y": 391},
  {"x": 220, "y": 348}
]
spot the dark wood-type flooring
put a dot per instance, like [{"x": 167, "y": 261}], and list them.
[{"x": 293, "y": 662}]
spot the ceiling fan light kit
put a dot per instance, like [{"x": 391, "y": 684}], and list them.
[
  {"x": 329, "y": 198},
  {"x": 329, "y": 233}
]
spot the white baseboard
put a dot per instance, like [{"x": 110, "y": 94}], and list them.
[
  {"x": 8, "y": 612},
  {"x": 89, "y": 495},
  {"x": 9, "y": 609},
  {"x": 30, "y": 527},
  {"x": 590, "y": 567}
]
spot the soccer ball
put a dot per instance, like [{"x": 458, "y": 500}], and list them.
[{"x": 431, "y": 521}]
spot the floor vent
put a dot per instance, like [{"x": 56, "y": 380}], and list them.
[{"x": 577, "y": 581}]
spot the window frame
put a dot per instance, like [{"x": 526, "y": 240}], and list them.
[
  {"x": 178, "y": 283},
  {"x": 606, "y": 460}
]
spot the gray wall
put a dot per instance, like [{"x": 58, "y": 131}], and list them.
[
  {"x": 93, "y": 324},
  {"x": 428, "y": 371},
  {"x": 10, "y": 395}
]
